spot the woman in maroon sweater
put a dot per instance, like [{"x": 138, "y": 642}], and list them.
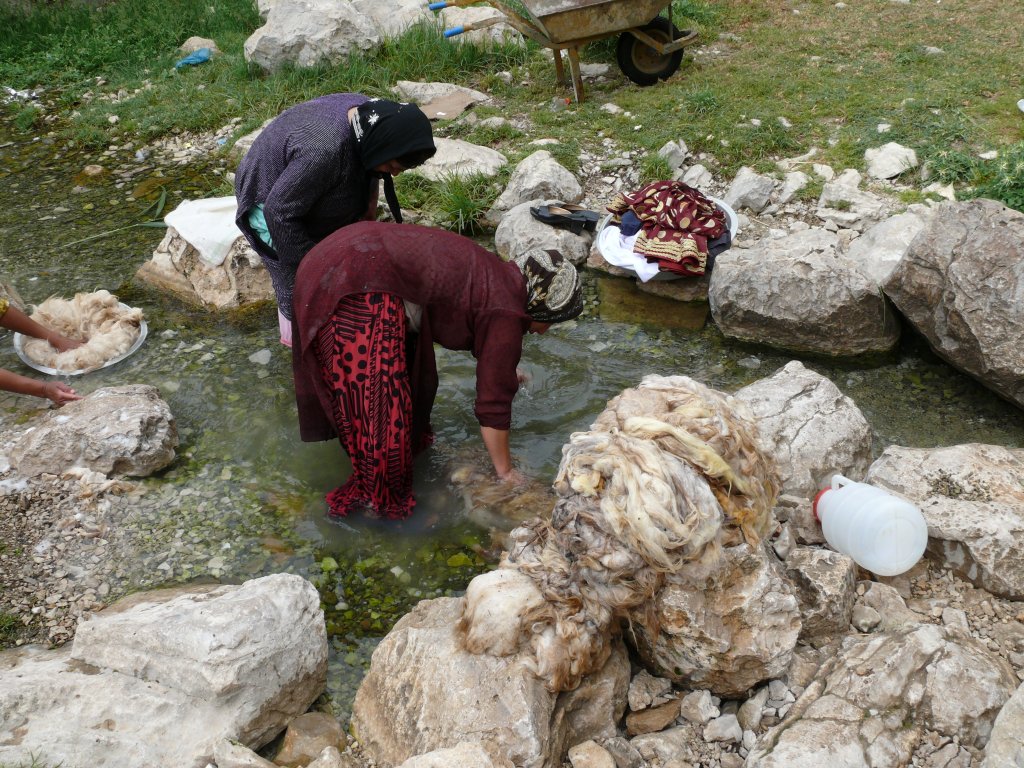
[{"x": 370, "y": 301}]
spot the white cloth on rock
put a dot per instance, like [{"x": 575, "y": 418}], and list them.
[{"x": 207, "y": 225}]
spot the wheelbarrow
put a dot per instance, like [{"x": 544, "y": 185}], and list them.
[{"x": 650, "y": 48}]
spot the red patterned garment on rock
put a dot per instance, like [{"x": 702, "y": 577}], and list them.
[
  {"x": 677, "y": 222},
  {"x": 362, "y": 356}
]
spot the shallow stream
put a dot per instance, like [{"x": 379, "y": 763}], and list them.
[{"x": 245, "y": 496}]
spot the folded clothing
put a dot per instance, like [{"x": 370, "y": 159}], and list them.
[{"x": 677, "y": 221}]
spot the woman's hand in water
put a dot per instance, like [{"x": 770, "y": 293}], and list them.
[
  {"x": 523, "y": 377},
  {"x": 514, "y": 477}
]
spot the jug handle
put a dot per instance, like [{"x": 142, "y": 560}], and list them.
[{"x": 839, "y": 480}]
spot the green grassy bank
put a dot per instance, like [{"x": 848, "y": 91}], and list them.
[{"x": 944, "y": 76}]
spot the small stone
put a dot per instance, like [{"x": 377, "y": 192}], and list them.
[
  {"x": 262, "y": 357},
  {"x": 652, "y": 720},
  {"x": 590, "y": 755}
]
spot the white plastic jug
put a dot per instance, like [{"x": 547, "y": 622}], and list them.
[{"x": 882, "y": 533}]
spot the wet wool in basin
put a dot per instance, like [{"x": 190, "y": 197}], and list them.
[{"x": 110, "y": 328}]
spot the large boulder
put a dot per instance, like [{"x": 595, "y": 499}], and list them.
[
  {"x": 796, "y": 293},
  {"x": 520, "y": 232},
  {"x": 873, "y": 703},
  {"x": 536, "y": 177},
  {"x": 456, "y": 158},
  {"x": 424, "y": 693},
  {"x": 125, "y": 431},
  {"x": 972, "y": 497},
  {"x": 162, "y": 678},
  {"x": 726, "y": 632},
  {"x": 178, "y": 268},
  {"x": 960, "y": 284},
  {"x": 1006, "y": 744},
  {"x": 393, "y": 17},
  {"x": 880, "y": 248},
  {"x": 811, "y": 428},
  {"x": 306, "y": 33}
]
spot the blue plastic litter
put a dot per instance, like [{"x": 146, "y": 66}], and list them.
[{"x": 196, "y": 57}]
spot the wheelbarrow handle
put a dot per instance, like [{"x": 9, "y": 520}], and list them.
[
  {"x": 481, "y": 24},
  {"x": 442, "y": 4}
]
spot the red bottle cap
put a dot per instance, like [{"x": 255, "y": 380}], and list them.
[{"x": 814, "y": 504}]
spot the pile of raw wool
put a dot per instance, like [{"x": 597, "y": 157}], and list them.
[
  {"x": 109, "y": 328},
  {"x": 668, "y": 474}
]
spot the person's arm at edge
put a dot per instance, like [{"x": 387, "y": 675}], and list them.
[{"x": 56, "y": 391}]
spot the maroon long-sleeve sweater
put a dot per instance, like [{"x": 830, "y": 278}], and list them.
[{"x": 471, "y": 300}]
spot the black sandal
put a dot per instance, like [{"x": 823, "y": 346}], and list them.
[
  {"x": 574, "y": 221},
  {"x": 590, "y": 217}
]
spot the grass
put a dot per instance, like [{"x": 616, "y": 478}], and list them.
[
  {"x": 33, "y": 762},
  {"x": 9, "y": 626},
  {"x": 944, "y": 76}
]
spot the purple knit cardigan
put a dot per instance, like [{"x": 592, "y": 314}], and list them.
[{"x": 304, "y": 169}]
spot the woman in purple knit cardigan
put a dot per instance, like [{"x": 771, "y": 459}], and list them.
[{"x": 316, "y": 168}]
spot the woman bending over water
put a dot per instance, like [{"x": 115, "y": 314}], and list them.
[{"x": 371, "y": 300}]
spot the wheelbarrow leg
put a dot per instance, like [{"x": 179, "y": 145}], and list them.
[
  {"x": 577, "y": 78},
  {"x": 559, "y": 68}
]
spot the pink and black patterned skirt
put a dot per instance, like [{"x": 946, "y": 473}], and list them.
[{"x": 362, "y": 356}]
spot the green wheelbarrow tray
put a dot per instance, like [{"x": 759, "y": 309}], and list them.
[{"x": 650, "y": 47}]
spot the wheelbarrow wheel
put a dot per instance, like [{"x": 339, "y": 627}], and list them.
[{"x": 643, "y": 64}]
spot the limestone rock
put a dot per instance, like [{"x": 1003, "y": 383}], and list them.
[
  {"x": 651, "y": 720},
  {"x": 825, "y": 581},
  {"x": 519, "y": 232},
  {"x": 811, "y": 428},
  {"x": 461, "y": 159},
  {"x": 892, "y": 610},
  {"x": 307, "y": 736},
  {"x": 468, "y": 754},
  {"x": 176, "y": 267},
  {"x": 537, "y": 177},
  {"x": 307, "y": 33},
  {"x": 1006, "y": 744},
  {"x": 890, "y": 160},
  {"x": 795, "y": 293},
  {"x": 793, "y": 183},
  {"x": 972, "y": 497},
  {"x": 590, "y": 755},
  {"x": 880, "y": 248},
  {"x": 392, "y": 18},
  {"x": 164, "y": 678},
  {"x": 646, "y": 690},
  {"x": 228, "y": 754},
  {"x": 423, "y": 93},
  {"x": 872, "y": 704},
  {"x": 845, "y": 205},
  {"x": 960, "y": 284},
  {"x": 750, "y": 190},
  {"x": 125, "y": 431},
  {"x": 727, "y": 632},
  {"x": 195, "y": 43},
  {"x": 423, "y": 693}
]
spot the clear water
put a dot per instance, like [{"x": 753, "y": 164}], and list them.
[{"x": 246, "y": 496}]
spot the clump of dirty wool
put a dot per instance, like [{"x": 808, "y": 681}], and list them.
[
  {"x": 668, "y": 474},
  {"x": 109, "y": 328}
]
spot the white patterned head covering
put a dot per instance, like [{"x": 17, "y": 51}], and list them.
[{"x": 553, "y": 290}]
